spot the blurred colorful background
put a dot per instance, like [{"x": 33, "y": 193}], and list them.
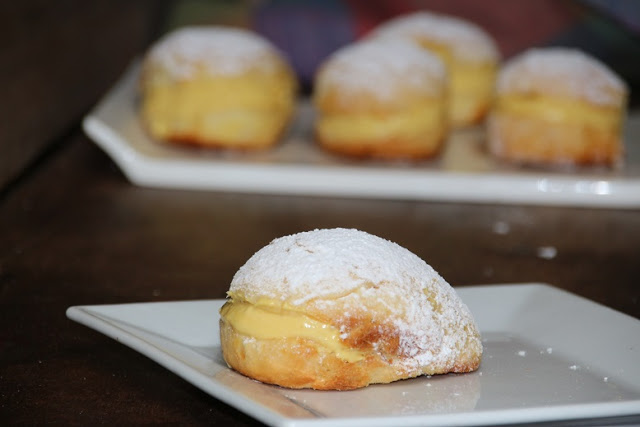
[{"x": 309, "y": 30}]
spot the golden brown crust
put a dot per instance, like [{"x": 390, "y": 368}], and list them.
[
  {"x": 532, "y": 140},
  {"x": 196, "y": 140},
  {"x": 393, "y": 148},
  {"x": 301, "y": 363}
]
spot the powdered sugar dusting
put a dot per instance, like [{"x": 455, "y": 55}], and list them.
[
  {"x": 354, "y": 270},
  {"x": 216, "y": 49},
  {"x": 467, "y": 41},
  {"x": 377, "y": 67},
  {"x": 326, "y": 263},
  {"x": 564, "y": 72}
]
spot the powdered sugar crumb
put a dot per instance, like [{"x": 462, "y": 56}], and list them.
[
  {"x": 377, "y": 67},
  {"x": 546, "y": 252},
  {"x": 562, "y": 72},
  {"x": 501, "y": 227},
  {"x": 522, "y": 353},
  {"x": 218, "y": 50},
  {"x": 467, "y": 40},
  {"x": 574, "y": 367}
]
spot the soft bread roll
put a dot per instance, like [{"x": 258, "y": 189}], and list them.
[
  {"x": 384, "y": 99},
  {"x": 558, "y": 106},
  {"x": 469, "y": 53},
  {"x": 216, "y": 87},
  {"x": 342, "y": 309}
]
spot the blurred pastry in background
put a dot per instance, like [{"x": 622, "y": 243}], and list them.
[
  {"x": 469, "y": 53},
  {"x": 557, "y": 106},
  {"x": 216, "y": 86},
  {"x": 381, "y": 98}
]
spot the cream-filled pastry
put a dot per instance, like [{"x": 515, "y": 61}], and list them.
[
  {"x": 342, "y": 309},
  {"x": 558, "y": 106},
  {"x": 381, "y": 98},
  {"x": 469, "y": 53},
  {"x": 216, "y": 87}
]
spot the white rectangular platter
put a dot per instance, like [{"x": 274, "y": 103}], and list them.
[
  {"x": 548, "y": 356},
  {"x": 463, "y": 172}
]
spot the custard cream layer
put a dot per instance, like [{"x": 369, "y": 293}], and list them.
[
  {"x": 233, "y": 109},
  {"x": 412, "y": 125},
  {"x": 560, "y": 110},
  {"x": 268, "y": 320},
  {"x": 470, "y": 83}
]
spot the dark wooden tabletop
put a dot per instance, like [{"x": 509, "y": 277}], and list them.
[{"x": 74, "y": 231}]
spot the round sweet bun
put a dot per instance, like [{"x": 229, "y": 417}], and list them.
[
  {"x": 216, "y": 87},
  {"x": 468, "y": 51},
  {"x": 557, "y": 106},
  {"x": 382, "y": 98},
  {"x": 341, "y": 309}
]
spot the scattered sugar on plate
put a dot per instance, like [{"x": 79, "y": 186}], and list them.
[
  {"x": 574, "y": 367},
  {"x": 501, "y": 227},
  {"x": 547, "y": 252},
  {"x": 522, "y": 353}
]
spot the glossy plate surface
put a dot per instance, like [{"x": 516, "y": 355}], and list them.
[
  {"x": 463, "y": 172},
  {"x": 549, "y": 356}
]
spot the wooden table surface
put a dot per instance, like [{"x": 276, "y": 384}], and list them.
[{"x": 75, "y": 232}]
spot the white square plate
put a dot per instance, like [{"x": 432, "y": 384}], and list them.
[
  {"x": 463, "y": 171},
  {"x": 549, "y": 356}
]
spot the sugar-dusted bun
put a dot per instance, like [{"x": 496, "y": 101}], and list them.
[
  {"x": 557, "y": 106},
  {"x": 342, "y": 309},
  {"x": 470, "y": 54},
  {"x": 382, "y": 98},
  {"x": 216, "y": 86}
]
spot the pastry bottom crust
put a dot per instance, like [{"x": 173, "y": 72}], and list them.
[
  {"x": 393, "y": 148},
  {"x": 533, "y": 140},
  {"x": 418, "y": 133},
  {"x": 301, "y": 363},
  {"x": 233, "y": 129}
]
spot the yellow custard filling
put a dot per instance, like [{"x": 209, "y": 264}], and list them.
[
  {"x": 268, "y": 320},
  {"x": 413, "y": 124},
  {"x": 245, "y": 108},
  {"x": 555, "y": 109},
  {"x": 470, "y": 84}
]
